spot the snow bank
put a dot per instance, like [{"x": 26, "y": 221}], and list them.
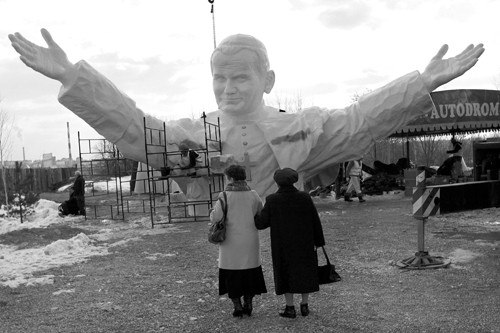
[
  {"x": 45, "y": 214},
  {"x": 17, "y": 266}
]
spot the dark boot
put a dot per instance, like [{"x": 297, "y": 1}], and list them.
[
  {"x": 360, "y": 197},
  {"x": 289, "y": 312},
  {"x": 304, "y": 309},
  {"x": 238, "y": 308},
  {"x": 247, "y": 305},
  {"x": 347, "y": 197}
]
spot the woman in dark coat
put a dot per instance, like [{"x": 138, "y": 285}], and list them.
[{"x": 295, "y": 232}]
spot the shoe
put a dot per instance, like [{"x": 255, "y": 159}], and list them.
[
  {"x": 347, "y": 198},
  {"x": 360, "y": 197},
  {"x": 238, "y": 309},
  {"x": 289, "y": 312},
  {"x": 247, "y": 306},
  {"x": 304, "y": 309},
  {"x": 238, "y": 313},
  {"x": 247, "y": 309}
]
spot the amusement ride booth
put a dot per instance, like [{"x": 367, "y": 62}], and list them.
[
  {"x": 455, "y": 112},
  {"x": 465, "y": 111}
]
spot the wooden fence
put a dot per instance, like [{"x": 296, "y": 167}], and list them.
[{"x": 36, "y": 180}]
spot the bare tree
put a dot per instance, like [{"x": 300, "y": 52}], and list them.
[
  {"x": 289, "y": 104},
  {"x": 428, "y": 145},
  {"x": 6, "y": 125}
]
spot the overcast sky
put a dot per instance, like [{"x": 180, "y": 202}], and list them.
[{"x": 158, "y": 51}]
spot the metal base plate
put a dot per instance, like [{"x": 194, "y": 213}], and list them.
[{"x": 422, "y": 260}]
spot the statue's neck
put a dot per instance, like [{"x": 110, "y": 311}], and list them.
[{"x": 254, "y": 116}]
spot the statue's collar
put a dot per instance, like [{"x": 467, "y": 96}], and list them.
[{"x": 258, "y": 115}]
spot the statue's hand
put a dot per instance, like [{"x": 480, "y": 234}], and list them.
[
  {"x": 440, "y": 71},
  {"x": 51, "y": 62}
]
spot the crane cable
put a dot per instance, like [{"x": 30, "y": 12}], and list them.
[{"x": 213, "y": 20}]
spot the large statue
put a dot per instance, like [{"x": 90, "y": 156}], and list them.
[{"x": 257, "y": 136}]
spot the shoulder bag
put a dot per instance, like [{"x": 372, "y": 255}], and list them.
[{"x": 217, "y": 231}]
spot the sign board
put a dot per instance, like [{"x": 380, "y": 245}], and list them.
[
  {"x": 464, "y": 110},
  {"x": 428, "y": 203}
]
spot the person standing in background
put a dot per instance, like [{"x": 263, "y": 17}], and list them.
[
  {"x": 78, "y": 192},
  {"x": 355, "y": 172}
]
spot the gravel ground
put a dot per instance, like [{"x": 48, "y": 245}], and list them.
[{"x": 165, "y": 280}]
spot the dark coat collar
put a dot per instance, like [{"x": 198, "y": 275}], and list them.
[{"x": 287, "y": 189}]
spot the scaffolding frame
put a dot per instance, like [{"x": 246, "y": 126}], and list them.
[
  {"x": 162, "y": 199},
  {"x": 100, "y": 160}
]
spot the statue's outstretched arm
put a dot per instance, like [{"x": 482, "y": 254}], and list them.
[
  {"x": 440, "y": 71},
  {"x": 51, "y": 61}
]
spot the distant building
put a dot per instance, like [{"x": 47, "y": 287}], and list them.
[
  {"x": 36, "y": 164},
  {"x": 9, "y": 164},
  {"x": 66, "y": 163},
  {"x": 47, "y": 161}
]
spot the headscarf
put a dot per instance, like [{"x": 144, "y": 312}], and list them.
[{"x": 285, "y": 177}]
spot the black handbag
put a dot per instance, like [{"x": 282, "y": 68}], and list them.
[
  {"x": 327, "y": 273},
  {"x": 217, "y": 231}
]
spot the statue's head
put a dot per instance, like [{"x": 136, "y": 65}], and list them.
[
  {"x": 236, "y": 43},
  {"x": 241, "y": 74}
]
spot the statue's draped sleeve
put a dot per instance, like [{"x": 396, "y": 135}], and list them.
[
  {"x": 115, "y": 116},
  {"x": 316, "y": 138}
]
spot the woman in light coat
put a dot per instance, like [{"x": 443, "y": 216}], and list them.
[{"x": 240, "y": 271}]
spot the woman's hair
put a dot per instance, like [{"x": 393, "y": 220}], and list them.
[{"x": 236, "y": 172}]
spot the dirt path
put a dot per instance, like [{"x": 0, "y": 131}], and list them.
[{"x": 167, "y": 282}]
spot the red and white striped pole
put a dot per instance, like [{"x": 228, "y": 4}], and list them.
[
  {"x": 425, "y": 203},
  {"x": 418, "y": 207}
]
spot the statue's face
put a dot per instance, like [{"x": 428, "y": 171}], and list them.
[{"x": 237, "y": 85}]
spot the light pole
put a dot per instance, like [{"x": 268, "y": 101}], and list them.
[{"x": 3, "y": 175}]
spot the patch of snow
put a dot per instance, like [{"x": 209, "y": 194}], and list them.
[
  {"x": 45, "y": 214},
  {"x": 17, "y": 266}
]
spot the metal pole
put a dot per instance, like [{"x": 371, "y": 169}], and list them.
[
  {"x": 21, "y": 208},
  {"x": 69, "y": 141},
  {"x": 213, "y": 20},
  {"x": 421, "y": 233},
  {"x": 408, "y": 149}
]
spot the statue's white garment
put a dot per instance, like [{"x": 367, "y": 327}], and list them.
[{"x": 309, "y": 141}]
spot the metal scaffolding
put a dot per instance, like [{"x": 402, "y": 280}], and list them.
[
  {"x": 179, "y": 208},
  {"x": 101, "y": 162}
]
